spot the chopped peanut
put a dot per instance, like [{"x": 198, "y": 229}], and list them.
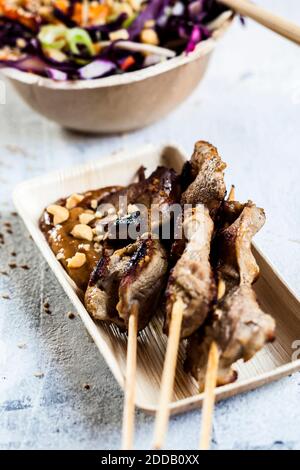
[
  {"x": 77, "y": 260},
  {"x": 149, "y": 24},
  {"x": 86, "y": 218},
  {"x": 21, "y": 43},
  {"x": 119, "y": 34},
  {"x": 94, "y": 203},
  {"x": 149, "y": 36},
  {"x": 74, "y": 200},
  {"x": 136, "y": 4},
  {"x": 97, "y": 247},
  {"x": 122, "y": 7},
  {"x": 99, "y": 214},
  {"x": 84, "y": 246},
  {"x": 98, "y": 238},
  {"x": 60, "y": 213},
  {"x": 83, "y": 232}
]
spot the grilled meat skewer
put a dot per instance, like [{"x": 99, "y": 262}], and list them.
[
  {"x": 203, "y": 178},
  {"x": 191, "y": 286},
  {"x": 192, "y": 279},
  {"x": 125, "y": 288},
  {"x": 136, "y": 273},
  {"x": 238, "y": 326},
  {"x": 235, "y": 259}
]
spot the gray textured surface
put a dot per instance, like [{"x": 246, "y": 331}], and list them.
[{"x": 249, "y": 106}]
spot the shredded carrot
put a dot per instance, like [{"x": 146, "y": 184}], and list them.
[
  {"x": 62, "y": 5},
  {"x": 17, "y": 14},
  {"x": 127, "y": 63},
  {"x": 97, "y": 13}
]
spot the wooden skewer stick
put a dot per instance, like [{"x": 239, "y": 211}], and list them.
[
  {"x": 211, "y": 375},
  {"x": 211, "y": 380},
  {"x": 130, "y": 381},
  {"x": 168, "y": 375},
  {"x": 284, "y": 27},
  {"x": 209, "y": 396},
  {"x": 231, "y": 195}
]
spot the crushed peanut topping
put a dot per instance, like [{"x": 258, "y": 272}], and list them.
[
  {"x": 84, "y": 246},
  {"x": 83, "y": 232},
  {"x": 86, "y": 218},
  {"x": 74, "y": 200},
  {"x": 149, "y": 36},
  {"x": 149, "y": 24},
  {"x": 60, "y": 256},
  {"x": 119, "y": 34},
  {"x": 98, "y": 238},
  {"x": 77, "y": 260},
  {"x": 94, "y": 203},
  {"x": 60, "y": 213},
  {"x": 97, "y": 247}
]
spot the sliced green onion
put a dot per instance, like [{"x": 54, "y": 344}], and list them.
[
  {"x": 53, "y": 36},
  {"x": 112, "y": 17},
  {"x": 78, "y": 36},
  {"x": 128, "y": 22}
]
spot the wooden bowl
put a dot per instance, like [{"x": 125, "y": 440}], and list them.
[{"x": 119, "y": 103}]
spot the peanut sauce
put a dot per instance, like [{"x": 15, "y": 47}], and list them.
[{"x": 65, "y": 246}]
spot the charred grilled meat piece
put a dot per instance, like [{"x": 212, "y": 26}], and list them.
[
  {"x": 136, "y": 273},
  {"x": 238, "y": 325},
  {"x": 203, "y": 178},
  {"x": 192, "y": 279},
  {"x": 155, "y": 194},
  {"x": 125, "y": 227},
  {"x": 161, "y": 187},
  {"x": 203, "y": 185},
  {"x": 144, "y": 281},
  {"x": 102, "y": 294},
  {"x": 236, "y": 263}
]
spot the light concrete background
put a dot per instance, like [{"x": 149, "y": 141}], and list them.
[{"x": 249, "y": 106}]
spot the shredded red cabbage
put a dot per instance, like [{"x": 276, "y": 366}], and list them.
[{"x": 97, "y": 68}]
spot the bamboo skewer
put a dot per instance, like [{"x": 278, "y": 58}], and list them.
[
  {"x": 212, "y": 372},
  {"x": 130, "y": 381},
  {"x": 231, "y": 195},
  {"x": 268, "y": 19},
  {"x": 209, "y": 396},
  {"x": 211, "y": 381},
  {"x": 168, "y": 376}
]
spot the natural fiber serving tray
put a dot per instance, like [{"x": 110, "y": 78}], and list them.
[{"x": 273, "y": 362}]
